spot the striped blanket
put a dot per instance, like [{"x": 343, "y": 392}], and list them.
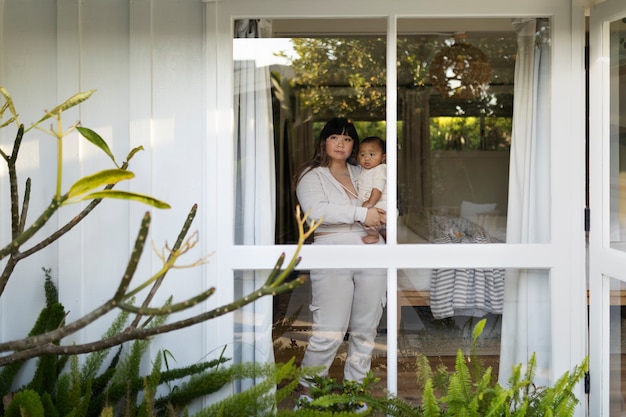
[{"x": 461, "y": 291}]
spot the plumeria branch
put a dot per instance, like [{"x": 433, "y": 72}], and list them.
[{"x": 44, "y": 344}]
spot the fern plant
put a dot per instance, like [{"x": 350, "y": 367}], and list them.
[
  {"x": 349, "y": 398},
  {"x": 474, "y": 392}
]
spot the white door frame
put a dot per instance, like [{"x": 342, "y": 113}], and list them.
[
  {"x": 604, "y": 262},
  {"x": 563, "y": 256}
]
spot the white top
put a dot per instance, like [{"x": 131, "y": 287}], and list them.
[
  {"x": 374, "y": 178},
  {"x": 319, "y": 192}
]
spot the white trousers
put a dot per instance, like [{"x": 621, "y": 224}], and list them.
[{"x": 345, "y": 300}]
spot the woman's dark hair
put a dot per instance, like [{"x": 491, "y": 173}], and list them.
[{"x": 335, "y": 126}]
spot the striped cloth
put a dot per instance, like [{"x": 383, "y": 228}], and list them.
[{"x": 461, "y": 291}]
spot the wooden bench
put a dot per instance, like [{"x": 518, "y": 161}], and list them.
[{"x": 410, "y": 298}]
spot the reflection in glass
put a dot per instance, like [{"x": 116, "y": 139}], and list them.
[
  {"x": 291, "y": 331},
  {"x": 438, "y": 309},
  {"x": 316, "y": 70},
  {"x": 437, "y": 312},
  {"x": 460, "y": 70},
  {"x": 617, "y": 365},
  {"x": 455, "y": 108},
  {"x": 617, "y": 132}
]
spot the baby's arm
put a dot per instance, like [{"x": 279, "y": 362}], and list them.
[{"x": 375, "y": 196}]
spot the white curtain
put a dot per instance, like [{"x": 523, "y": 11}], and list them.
[
  {"x": 526, "y": 316},
  {"x": 255, "y": 193}
]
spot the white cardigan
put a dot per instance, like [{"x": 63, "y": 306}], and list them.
[{"x": 319, "y": 192}]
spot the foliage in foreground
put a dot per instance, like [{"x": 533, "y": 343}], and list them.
[
  {"x": 473, "y": 391},
  {"x": 110, "y": 382},
  {"x": 469, "y": 390},
  {"x": 59, "y": 386}
]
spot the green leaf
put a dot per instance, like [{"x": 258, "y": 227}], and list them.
[
  {"x": 430, "y": 405},
  {"x": 109, "y": 176},
  {"x": 478, "y": 329},
  {"x": 8, "y": 122},
  {"x": 9, "y": 101},
  {"x": 133, "y": 152},
  {"x": 97, "y": 140},
  {"x": 67, "y": 104},
  {"x": 126, "y": 195}
]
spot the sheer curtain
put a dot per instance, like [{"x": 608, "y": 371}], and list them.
[
  {"x": 255, "y": 193},
  {"x": 526, "y": 316}
]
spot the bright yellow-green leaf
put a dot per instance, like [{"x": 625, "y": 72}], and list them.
[
  {"x": 67, "y": 104},
  {"x": 99, "y": 179},
  {"x": 9, "y": 101},
  {"x": 126, "y": 195},
  {"x": 97, "y": 140},
  {"x": 478, "y": 329},
  {"x": 8, "y": 122}
]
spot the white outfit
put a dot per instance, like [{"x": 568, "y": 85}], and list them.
[
  {"x": 374, "y": 178},
  {"x": 342, "y": 299}
]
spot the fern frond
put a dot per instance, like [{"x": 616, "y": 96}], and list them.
[
  {"x": 94, "y": 360},
  {"x": 430, "y": 405},
  {"x": 256, "y": 401},
  {"x": 498, "y": 405},
  {"x": 146, "y": 409},
  {"x": 424, "y": 370},
  {"x": 179, "y": 373},
  {"x": 463, "y": 376}
]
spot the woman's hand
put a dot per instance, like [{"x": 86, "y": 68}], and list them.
[{"x": 375, "y": 217}]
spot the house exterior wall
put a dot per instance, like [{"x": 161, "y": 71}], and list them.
[
  {"x": 146, "y": 59},
  {"x": 156, "y": 66}
]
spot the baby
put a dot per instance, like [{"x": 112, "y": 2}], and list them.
[{"x": 372, "y": 180}]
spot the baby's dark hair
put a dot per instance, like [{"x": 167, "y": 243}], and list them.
[{"x": 377, "y": 140}]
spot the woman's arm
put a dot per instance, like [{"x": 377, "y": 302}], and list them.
[{"x": 317, "y": 193}]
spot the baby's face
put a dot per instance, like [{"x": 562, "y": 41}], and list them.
[{"x": 370, "y": 155}]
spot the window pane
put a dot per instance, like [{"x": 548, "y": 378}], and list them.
[
  {"x": 617, "y": 131},
  {"x": 300, "y": 73},
  {"x": 455, "y": 112},
  {"x": 617, "y": 347},
  {"x": 292, "y": 329},
  {"x": 437, "y": 312}
]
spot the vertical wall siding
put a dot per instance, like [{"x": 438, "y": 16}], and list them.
[
  {"x": 28, "y": 72},
  {"x": 146, "y": 59}
]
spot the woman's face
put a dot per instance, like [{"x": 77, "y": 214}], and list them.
[{"x": 339, "y": 147}]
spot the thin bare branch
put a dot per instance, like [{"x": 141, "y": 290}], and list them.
[{"x": 134, "y": 333}]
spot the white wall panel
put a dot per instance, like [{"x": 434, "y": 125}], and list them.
[
  {"x": 178, "y": 143},
  {"x": 147, "y": 61},
  {"x": 28, "y": 72}
]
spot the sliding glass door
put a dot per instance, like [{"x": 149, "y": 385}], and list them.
[
  {"x": 607, "y": 279},
  {"x": 476, "y": 219}
]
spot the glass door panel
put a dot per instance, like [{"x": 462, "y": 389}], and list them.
[
  {"x": 607, "y": 237},
  {"x": 617, "y": 131},
  {"x": 455, "y": 113},
  {"x": 301, "y": 73},
  {"x": 452, "y": 171},
  {"x": 437, "y": 310},
  {"x": 617, "y": 358}
]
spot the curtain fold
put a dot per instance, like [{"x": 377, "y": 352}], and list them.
[
  {"x": 414, "y": 171},
  {"x": 526, "y": 319},
  {"x": 255, "y": 209}
]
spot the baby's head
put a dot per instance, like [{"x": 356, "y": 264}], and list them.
[{"x": 372, "y": 152}]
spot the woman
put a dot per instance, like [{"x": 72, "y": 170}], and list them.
[{"x": 342, "y": 299}]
